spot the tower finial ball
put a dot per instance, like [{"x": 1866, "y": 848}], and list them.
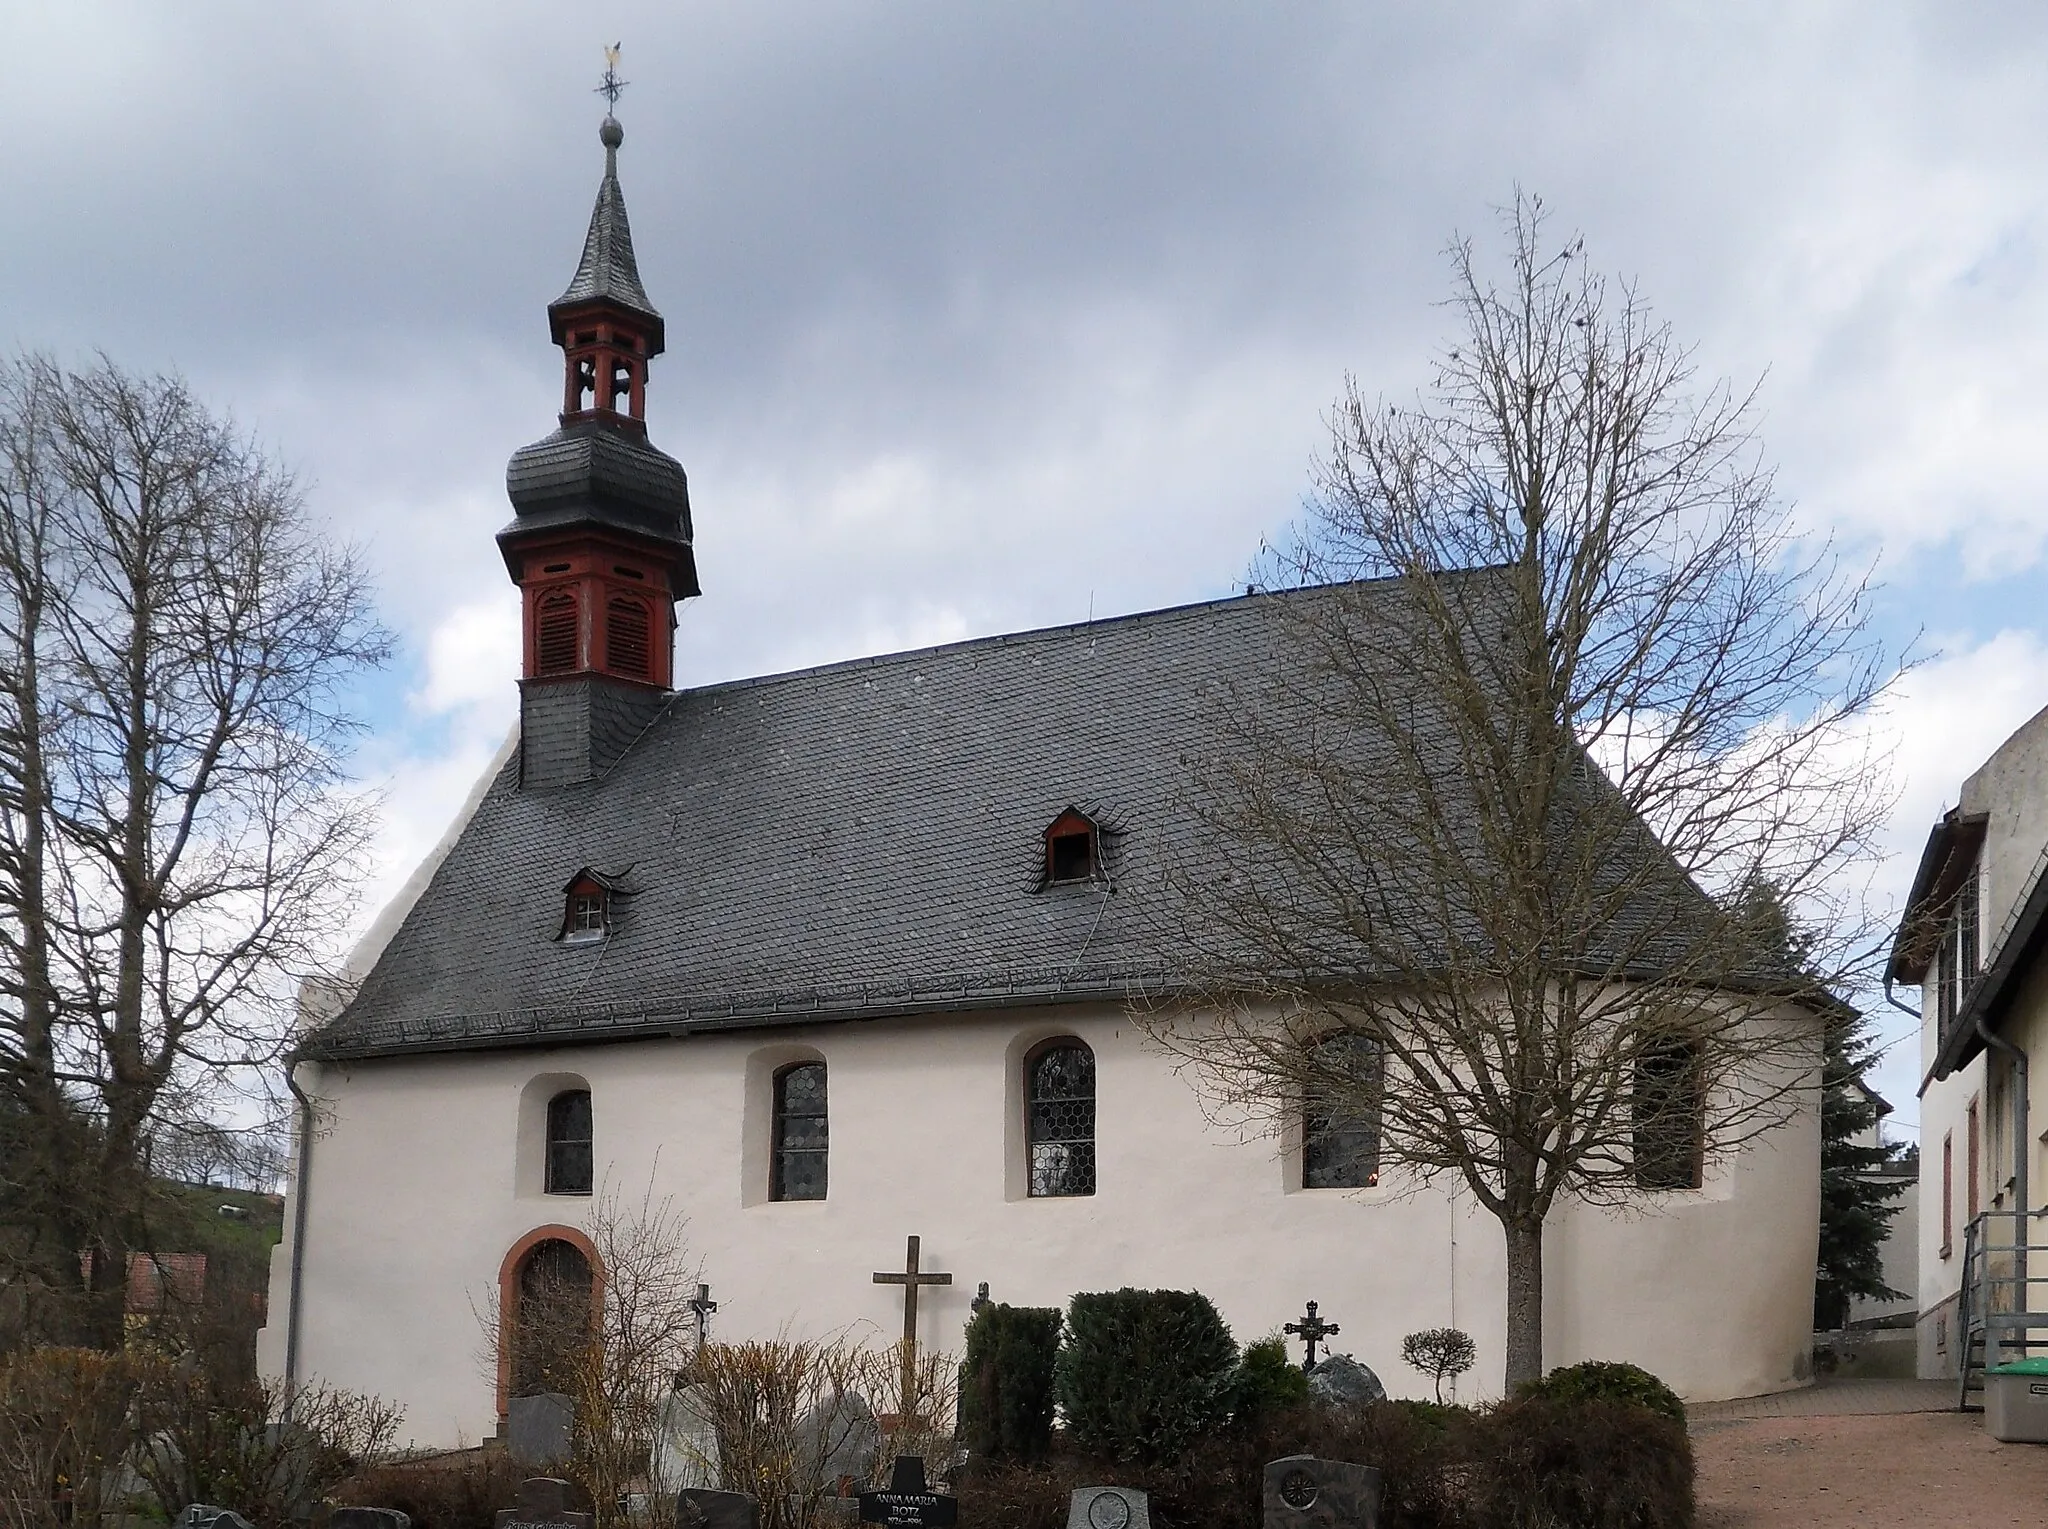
[{"x": 611, "y": 135}]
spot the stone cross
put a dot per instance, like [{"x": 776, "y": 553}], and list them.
[
  {"x": 910, "y": 1280},
  {"x": 1312, "y": 1330},
  {"x": 703, "y": 1306}
]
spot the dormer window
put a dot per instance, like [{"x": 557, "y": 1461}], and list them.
[
  {"x": 587, "y": 912},
  {"x": 1072, "y": 848}
]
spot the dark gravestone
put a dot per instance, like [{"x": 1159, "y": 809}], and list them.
[
  {"x": 908, "y": 1502},
  {"x": 368, "y": 1518},
  {"x": 537, "y": 1427},
  {"x": 1303, "y": 1492},
  {"x": 203, "y": 1515},
  {"x": 702, "y": 1508},
  {"x": 543, "y": 1504},
  {"x": 1109, "y": 1508}
]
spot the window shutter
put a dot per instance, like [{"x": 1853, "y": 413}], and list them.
[
  {"x": 554, "y": 639},
  {"x": 626, "y": 645}
]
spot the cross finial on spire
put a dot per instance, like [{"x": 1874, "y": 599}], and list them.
[{"x": 611, "y": 85}]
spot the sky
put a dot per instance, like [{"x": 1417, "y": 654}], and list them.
[{"x": 983, "y": 318}]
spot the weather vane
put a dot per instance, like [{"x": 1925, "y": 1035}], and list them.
[{"x": 611, "y": 85}]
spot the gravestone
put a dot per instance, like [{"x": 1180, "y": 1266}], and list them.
[
  {"x": 843, "y": 1437},
  {"x": 368, "y": 1518},
  {"x": 1109, "y": 1508},
  {"x": 685, "y": 1441},
  {"x": 543, "y": 1504},
  {"x": 537, "y": 1427},
  {"x": 1341, "y": 1381},
  {"x": 204, "y": 1515},
  {"x": 908, "y": 1502},
  {"x": 1303, "y": 1492},
  {"x": 702, "y": 1508}
]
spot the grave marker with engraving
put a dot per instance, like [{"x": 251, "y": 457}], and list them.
[
  {"x": 702, "y": 1508},
  {"x": 1109, "y": 1508},
  {"x": 1303, "y": 1492},
  {"x": 908, "y": 1503}
]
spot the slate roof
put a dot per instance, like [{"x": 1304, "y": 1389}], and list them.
[{"x": 852, "y": 841}]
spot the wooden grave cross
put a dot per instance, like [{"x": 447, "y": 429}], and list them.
[{"x": 910, "y": 1279}]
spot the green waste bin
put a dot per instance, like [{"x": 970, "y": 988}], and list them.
[{"x": 2016, "y": 1401}]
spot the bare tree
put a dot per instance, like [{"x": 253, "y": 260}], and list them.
[
  {"x": 177, "y": 840},
  {"x": 1517, "y": 824}
]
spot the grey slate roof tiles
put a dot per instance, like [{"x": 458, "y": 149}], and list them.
[{"x": 608, "y": 269}]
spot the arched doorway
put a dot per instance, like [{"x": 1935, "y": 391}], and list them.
[{"x": 548, "y": 1288}]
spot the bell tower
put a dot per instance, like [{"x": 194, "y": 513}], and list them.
[{"x": 599, "y": 543}]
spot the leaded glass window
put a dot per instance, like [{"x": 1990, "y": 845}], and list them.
[
  {"x": 1061, "y": 1084},
  {"x": 798, "y": 1171},
  {"x": 1340, "y": 1114},
  {"x": 569, "y": 1143}
]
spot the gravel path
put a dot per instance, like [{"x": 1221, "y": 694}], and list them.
[{"x": 1848, "y": 1456}]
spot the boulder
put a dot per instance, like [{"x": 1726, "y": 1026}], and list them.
[{"x": 1341, "y": 1381}]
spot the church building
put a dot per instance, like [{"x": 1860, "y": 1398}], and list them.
[{"x": 838, "y": 957}]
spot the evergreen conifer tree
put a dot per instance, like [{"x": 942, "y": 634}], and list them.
[{"x": 1857, "y": 1197}]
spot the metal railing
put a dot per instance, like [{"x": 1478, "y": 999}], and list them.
[{"x": 2004, "y": 1296}]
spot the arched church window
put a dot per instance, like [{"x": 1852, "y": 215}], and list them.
[
  {"x": 1340, "y": 1113},
  {"x": 569, "y": 1160},
  {"x": 799, "y": 1168},
  {"x": 1060, "y": 1082},
  {"x": 626, "y": 636},
  {"x": 551, "y": 1322},
  {"x": 554, "y": 632}
]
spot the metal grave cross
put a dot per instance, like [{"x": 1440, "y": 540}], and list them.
[
  {"x": 703, "y": 1306},
  {"x": 910, "y": 1279},
  {"x": 1312, "y": 1330}
]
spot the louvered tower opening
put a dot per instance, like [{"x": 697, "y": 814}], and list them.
[
  {"x": 628, "y": 652},
  {"x": 554, "y": 633}
]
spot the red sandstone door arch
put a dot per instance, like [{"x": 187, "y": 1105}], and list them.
[{"x": 549, "y": 1286}]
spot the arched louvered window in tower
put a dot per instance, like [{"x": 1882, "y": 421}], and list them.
[
  {"x": 1060, "y": 1089},
  {"x": 1340, "y": 1114},
  {"x": 798, "y": 1171},
  {"x": 569, "y": 1160},
  {"x": 554, "y": 632},
  {"x": 627, "y": 648}
]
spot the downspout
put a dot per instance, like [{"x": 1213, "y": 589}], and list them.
[
  {"x": 2022, "y": 1215},
  {"x": 298, "y": 1270}
]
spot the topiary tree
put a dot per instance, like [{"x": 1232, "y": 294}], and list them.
[
  {"x": 1144, "y": 1373},
  {"x": 1441, "y": 1353},
  {"x": 1599, "y": 1380},
  {"x": 1006, "y": 1383}
]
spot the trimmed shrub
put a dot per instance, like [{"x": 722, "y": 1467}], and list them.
[
  {"x": 1590, "y": 1464},
  {"x": 1267, "y": 1382},
  {"x": 1144, "y": 1373},
  {"x": 1441, "y": 1353},
  {"x": 1598, "y": 1380},
  {"x": 457, "y": 1491},
  {"x": 1006, "y": 1381}
]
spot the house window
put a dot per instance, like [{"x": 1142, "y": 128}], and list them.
[
  {"x": 798, "y": 1171},
  {"x": 1972, "y": 1160},
  {"x": 586, "y": 916},
  {"x": 1669, "y": 1112},
  {"x": 1071, "y": 848},
  {"x": 555, "y": 620},
  {"x": 1948, "y": 1194},
  {"x": 569, "y": 1143},
  {"x": 627, "y": 648},
  {"x": 1340, "y": 1114},
  {"x": 1060, "y": 1080}
]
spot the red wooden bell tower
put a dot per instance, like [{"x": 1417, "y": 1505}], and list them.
[{"x": 600, "y": 540}]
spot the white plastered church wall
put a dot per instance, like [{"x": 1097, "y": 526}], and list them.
[{"x": 416, "y": 1196}]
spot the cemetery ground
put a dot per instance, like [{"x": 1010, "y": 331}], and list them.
[{"x": 1869, "y": 1453}]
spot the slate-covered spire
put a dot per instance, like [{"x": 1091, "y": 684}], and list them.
[
  {"x": 608, "y": 272},
  {"x": 599, "y": 542}
]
